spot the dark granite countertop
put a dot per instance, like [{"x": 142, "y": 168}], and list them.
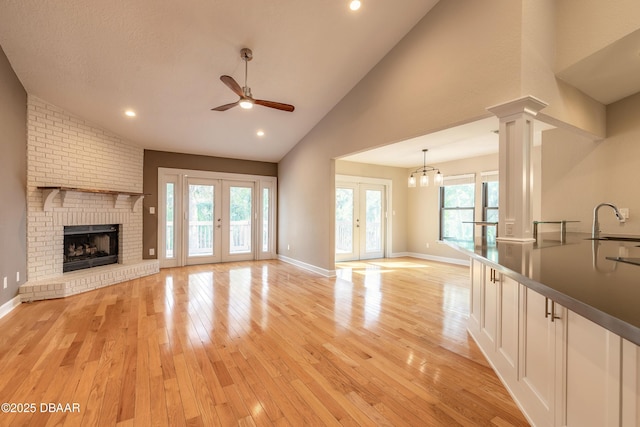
[{"x": 575, "y": 274}]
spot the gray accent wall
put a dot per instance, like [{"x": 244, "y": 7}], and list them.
[{"x": 13, "y": 176}]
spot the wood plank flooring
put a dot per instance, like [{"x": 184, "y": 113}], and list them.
[{"x": 256, "y": 343}]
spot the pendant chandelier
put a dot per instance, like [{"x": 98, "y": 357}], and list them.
[{"x": 422, "y": 173}]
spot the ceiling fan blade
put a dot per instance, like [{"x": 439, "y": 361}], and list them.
[
  {"x": 225, "y": 107},
  {"x": 232, "y": 84},
  {"x": 276, "y": 105}
]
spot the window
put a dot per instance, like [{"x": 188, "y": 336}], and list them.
[
  {"x": 457, "y": 204},
  {"x": 490, "y": 203}
]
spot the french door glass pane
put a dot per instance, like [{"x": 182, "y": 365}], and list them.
[
  {"x": 374, "y": 224},
  {"x": 265, "y": 220},
  {"x": 344, "y": 220},
  {"x": 201, "y": 209},
  {"x": 239, "y": 220},
  {"x": 169, "y": 231}
]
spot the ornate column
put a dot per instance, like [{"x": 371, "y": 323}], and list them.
[{"x": 515, "y": 222}]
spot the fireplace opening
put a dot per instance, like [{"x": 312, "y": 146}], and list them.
[{"x": 87, "y": 246}]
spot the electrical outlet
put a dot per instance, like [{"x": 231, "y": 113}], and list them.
[
  {"x": 509, "y": 229},
  {"x": 152, "y": 251},
  {"x": 624, "y": 212},
  {"x": 5, "y": 282},
  {"x": 152, "y": 210},
  {"x": 427, "y": 246}
]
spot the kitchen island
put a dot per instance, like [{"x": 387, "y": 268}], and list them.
[
  {"x": 575, "y": 274},
  {"x": 559, "y": 321}
]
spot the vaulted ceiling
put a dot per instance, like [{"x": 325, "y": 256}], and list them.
[{"x": 163, "y": 59}]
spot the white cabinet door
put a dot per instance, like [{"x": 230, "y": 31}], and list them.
[
  {"x": 475, "y": 302},
  {"x": 489, "y": 312},
  {"x": 630, "y": 384},
  {"x": 506, "y": 360},
  {"x": 536, "y": 371},
  {"x": 592, "y": 374},
  {"x": 493, "y": 318}
]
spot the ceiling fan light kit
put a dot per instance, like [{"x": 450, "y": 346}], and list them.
[
  {"x": 245, "y": 103},
  {"x": 246, "y": 100}
]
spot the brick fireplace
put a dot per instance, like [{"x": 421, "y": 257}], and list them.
[{"x": 91, "y": 177}]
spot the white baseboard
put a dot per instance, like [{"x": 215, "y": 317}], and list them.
[
  {"x": 447, "y": 260},
  {"x": 310, "y": 267},
  {"x": 9, "y": 305}
]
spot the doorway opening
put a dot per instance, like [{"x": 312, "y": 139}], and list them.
[{"x": 360, "y": 218}]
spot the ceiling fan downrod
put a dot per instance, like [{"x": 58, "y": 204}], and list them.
[{"x": 247, "y": 55}]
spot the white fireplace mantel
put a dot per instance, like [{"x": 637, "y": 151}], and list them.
[{"x": 119, "y": 197}]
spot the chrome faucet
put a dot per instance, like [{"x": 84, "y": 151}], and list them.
[{"x": 595, "y": 232}]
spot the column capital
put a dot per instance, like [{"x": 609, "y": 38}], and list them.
[{"x": 527, "y": 104}]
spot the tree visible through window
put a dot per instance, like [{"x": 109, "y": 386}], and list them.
[
  {"x": 457, "y": 203},
  {"x": 490, "y": 207}
]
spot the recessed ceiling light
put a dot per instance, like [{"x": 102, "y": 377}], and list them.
[
  {"x": 130, "y": 113},
  {"x": 260, "y": 133},
  {"x": 354, "y": 5}
]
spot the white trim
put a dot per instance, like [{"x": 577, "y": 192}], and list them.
[
  {"x": 363, "y": 179},
  {"x": 8, "y": 306},
  {"x": 489, "y": 176},
  {"x": 218, "y": 175},
  {"x": 515, "y": 240},
  {"x": 304, "y": 265},
  {"x": 467, "y": 178}
]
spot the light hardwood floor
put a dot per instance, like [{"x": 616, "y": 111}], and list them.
[{"x": 256, "y": 343}]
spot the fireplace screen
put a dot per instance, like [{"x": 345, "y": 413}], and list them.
[{"x": 87, "y": 246}]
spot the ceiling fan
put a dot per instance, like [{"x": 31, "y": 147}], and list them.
[{"x": 246, "y": 100}]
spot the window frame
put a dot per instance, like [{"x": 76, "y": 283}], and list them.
[
  {"x": 485, "y": 201},
  {"x": 450, "y": 181}
]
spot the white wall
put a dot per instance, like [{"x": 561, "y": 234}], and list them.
[
  {"x": 584, "y": 27},
  {"x": 543, "y": 23},
  {"x": 578, "y": 173},
  {"x": 459, "y": 59}
]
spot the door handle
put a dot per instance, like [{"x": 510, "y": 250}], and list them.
[
  {"x": 551, "y": 313},
  {"x": 546, "y": 307},
  {"x": 493, "y": 277}
]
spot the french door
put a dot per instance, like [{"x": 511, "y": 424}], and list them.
[
  {"x": 203, "y": 221},
  {"x": 208, "y": 218},
  {"x": 360, "y": 221}
]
